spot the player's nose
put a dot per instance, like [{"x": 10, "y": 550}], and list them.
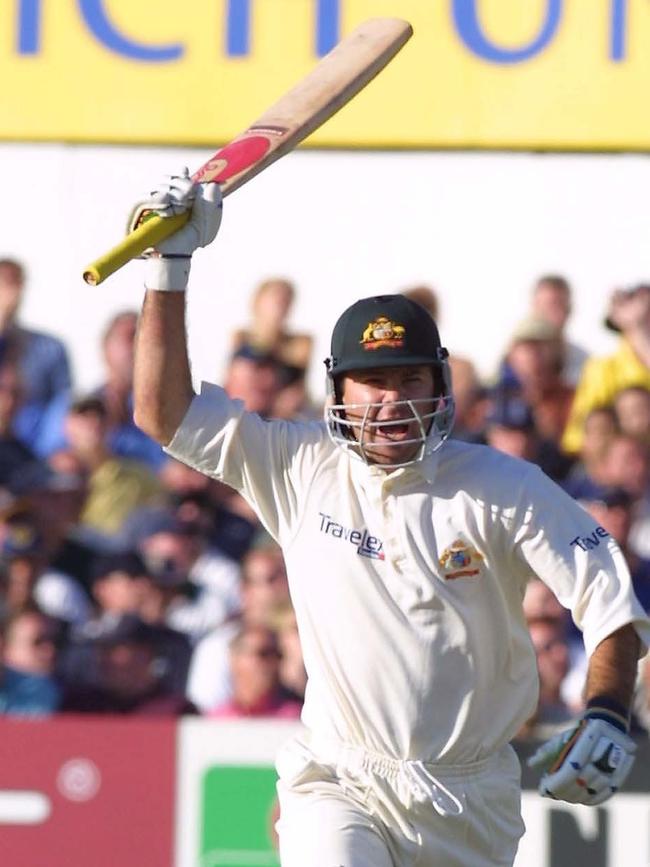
[
  {"x": 391, "y": 388},
  {"x": 391, "y": 393}
]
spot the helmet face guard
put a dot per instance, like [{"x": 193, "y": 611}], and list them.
[{"x": 434, "y": 417}]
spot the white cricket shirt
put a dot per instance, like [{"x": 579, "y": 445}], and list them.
[{"x": 408, "y": 585}]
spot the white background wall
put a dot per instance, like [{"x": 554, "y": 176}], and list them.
[{"x": 343, "y": 225}]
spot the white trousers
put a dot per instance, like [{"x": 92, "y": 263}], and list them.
[{"x": 346, "y": 807}]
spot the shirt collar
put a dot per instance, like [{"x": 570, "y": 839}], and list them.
[{"x": 425, "y": 469}]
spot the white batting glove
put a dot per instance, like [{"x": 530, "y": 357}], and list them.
[
  {"x": 586, "y": 764},
  {"x": 168, "y": 266}
]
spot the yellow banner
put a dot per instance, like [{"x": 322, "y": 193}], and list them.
[{"x": 557, "y": 74}]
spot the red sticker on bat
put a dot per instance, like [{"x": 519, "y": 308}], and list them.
[{"x": 234, "y": 158}]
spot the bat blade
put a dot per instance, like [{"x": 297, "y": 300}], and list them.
[{"x": 333, "y": 82}]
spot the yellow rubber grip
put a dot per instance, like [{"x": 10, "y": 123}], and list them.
[{"x": 150, "y": 233}]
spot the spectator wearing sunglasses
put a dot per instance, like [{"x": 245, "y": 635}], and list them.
[
  {"x": 28, "y": 649},
  {"x": 255, "y": 670}
]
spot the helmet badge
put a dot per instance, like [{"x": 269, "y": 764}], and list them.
[{"x": 382, "y": 331}]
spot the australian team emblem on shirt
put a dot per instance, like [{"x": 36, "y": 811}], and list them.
[
  {"x": 460, "y": 560},
  {"x": 382, "y": 332}
]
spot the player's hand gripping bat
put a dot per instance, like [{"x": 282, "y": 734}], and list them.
[{"x": 338, "y": 77}]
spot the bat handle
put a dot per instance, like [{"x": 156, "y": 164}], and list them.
[{"x": 150, "y": 233}]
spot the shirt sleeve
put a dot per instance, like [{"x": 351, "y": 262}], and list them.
[
  {"x": 578, "y": 560},
  {"x": 263, "y": 460}
]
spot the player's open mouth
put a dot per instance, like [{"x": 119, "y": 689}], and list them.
[{"x": 393, "y": 431}]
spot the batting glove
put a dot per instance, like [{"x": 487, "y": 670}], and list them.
[
  {"x": 169, "y": 262},
  {"x": 586, "y": 764}
]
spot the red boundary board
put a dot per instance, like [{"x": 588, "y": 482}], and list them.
[{"x": 111, "y": 787}]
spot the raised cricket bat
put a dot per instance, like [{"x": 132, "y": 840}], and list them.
[{"x": 338, "y": 77}]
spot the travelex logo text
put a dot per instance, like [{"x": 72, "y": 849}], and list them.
[
  {"x": 588, "y": 543},
  {"x": 366, "y": 545}
]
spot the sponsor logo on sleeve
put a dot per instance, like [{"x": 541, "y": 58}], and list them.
[
  {"x": 366, "y": 545},
  {"x": 460, "y": 560},
  {"x": 588, "y": 543}
]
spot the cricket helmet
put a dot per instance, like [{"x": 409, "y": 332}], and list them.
[{"x": 388, "y": 331}]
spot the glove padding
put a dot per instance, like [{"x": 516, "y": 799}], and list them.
[
  {"x": 169, "y": 260},
  {"x": 586, "y": 764}
]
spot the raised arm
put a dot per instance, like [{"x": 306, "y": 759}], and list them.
[
  {"x": 162, "y": 380},
  {"x": 162, "y": 384}
]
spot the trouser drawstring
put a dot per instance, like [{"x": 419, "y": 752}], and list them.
[{"x": 424, "y": 786}]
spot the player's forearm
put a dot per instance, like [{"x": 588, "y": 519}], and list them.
[
  {"x": 162, "y": 382},
  {"x": 612, "y": 667}
]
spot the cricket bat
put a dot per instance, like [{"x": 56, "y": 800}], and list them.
[{"x": 333, "y": 82}]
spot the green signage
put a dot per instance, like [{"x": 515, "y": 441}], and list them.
[{"x": 239, "y": 809}]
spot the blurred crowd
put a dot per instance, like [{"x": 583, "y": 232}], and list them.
[{"x": 131, "y": 584}]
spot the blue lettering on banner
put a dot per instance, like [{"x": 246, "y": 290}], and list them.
[
  {"x": 587, "y": 543},
  {"x": 466, "y": 22},
  {"x": 238, "y": 26},
  {"x": 29, "y": 26},
  {"x": 366, "y": 545},
  {"x": 618, "y": 29},
  {"x": 327, "y": 25},
  {"x": 104, "y": 30}
]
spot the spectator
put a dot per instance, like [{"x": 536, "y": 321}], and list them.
[
  {"x": 125, "y": 439},
  {"x": 253, "y": 377},
  {"x": 28, "y": 652},
  {"x": 131, "y": 676},
  {"x": 470, "y": 399},
  {"x": 121, "y": 588},
  {"x": 267, "y": 332},
  {"x": 16, "y": 459},
  {"x": 510, "y": 428},
  {"x": 255, "y": 669},
  {"x": 226, "y": 518},
  {"x": 268, "y": 336},
  {"x": 57, "y": 502},
  {"x": 116, "y": 486},
  {"x": 265, "y": 587},
  {"x": 533, "y": 367},
  {"x": 28, "y": 577},
  {"x": 551, "y": 302},
  {"x": 540, "y": 604},
  {"x": 201, "y": 584},
  {"x": 264, "y": 599},
  {"x": 43, "y": 364},
  {"x": 603, "y": 378},
  {"x": 236, "y": 524},
  {"x": 632, "y": 406},
  {"x": 426, "y": 297},
  {"x": 600, "y": 428},
  {"x": 552, "y": 652},
  {"x": 626, "y": 464},
  {"x": 116, "y": 587}
]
